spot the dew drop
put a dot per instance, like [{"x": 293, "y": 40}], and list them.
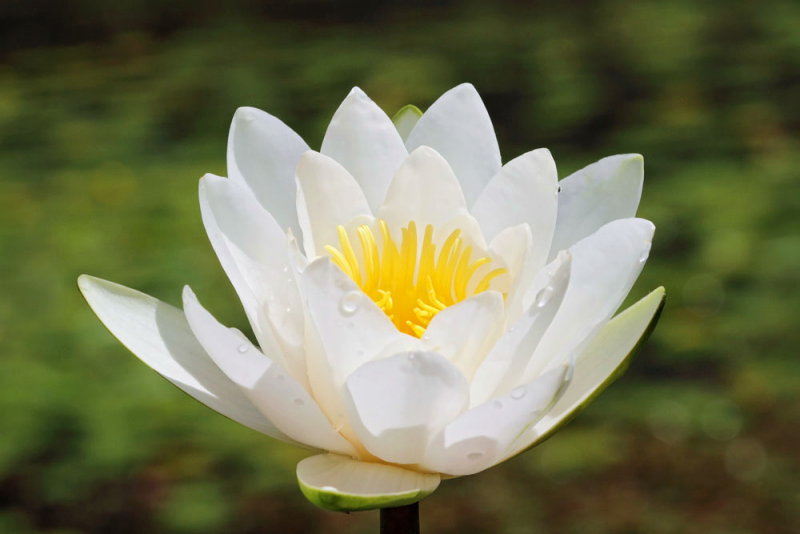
[
  {"x": 644, "y": 255},
  {"x": 330, "y": 489},
  {"x": 350, "y": 302},
  {"x": 477, "y": 455},
  {"x": 298, "y": 402},
  {"x": 288, "y": 310},
  {"x": 518, "y": 393},
  {"x": 285, "y": 268},
  {"x": 497, "y": 404},
  {"x": 544, "y": 296},
  {"x": 249, "y": 116},
  {"x": 244, "y": 347}
]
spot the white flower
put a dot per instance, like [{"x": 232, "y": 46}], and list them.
[{"x": 421, "y": 310}]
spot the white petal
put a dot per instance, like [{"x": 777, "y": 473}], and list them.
[
  {"x": 464, "y": 333},
  {"x": 327, "y": 196},
  {"x": 458, "y": 126},
  {"x": 158, "y": 334},
  {"x": 477, "y": 439},
  {"x": 262, "y": 154},
  {"x": 253, "y": 250},
  {"x": 398, "y": 403},
  {"x": 524, "y": 191},
  {"x": 405, "y": 119},
  {"x": 598, "y": 365},
  {"x": 604, "y": 267},
  {"x": 424, "y": 190},
  {"x": 500, "y": 371},
  {"x": 365, "y": 141},
  {"x": 604, "y": 191},
  {"x": 337, "y": 483},
  {"x": 276, "y": 394},
  {"x": 345, "y": 330},
  {"x": 514, "y": 246}
]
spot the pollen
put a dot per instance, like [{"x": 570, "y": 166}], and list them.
[{"x": 413, "y": 280}]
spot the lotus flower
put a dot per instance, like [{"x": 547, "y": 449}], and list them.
[{"x": 421, "y": 310}]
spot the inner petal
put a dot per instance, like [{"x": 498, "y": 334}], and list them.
[{"x": 415, "y": 278}]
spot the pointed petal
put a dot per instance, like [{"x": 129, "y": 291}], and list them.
[
  {"x": 262, "y": 154},
  {"x": 341, "y": 484},
  {"x": 524, "y": 191},
  {"x": 464, "y": 333},
  {"x": 514, "y": 246},
  {"x": 158, "y": 334},
  {"x": 458, "y": 126},
  {"x": 405, "y": 119},
  {"x": 345, "y": 330},
  {"x": 364, "y": 140},
  {"x": 253, "y": 251},
  {"x": 604, "y": 267},
  {"x": 276, "y": 394},
  {"x": 477, "y": 439},
  {"x": 500, "y": 371},
  {"x": 327, "y": 196},
  {"x": 424, "y": 190},
  {"x": 397, "y": 403},
  {"x": 604, "y": 191},
  {"x": 597, "y": 366}
]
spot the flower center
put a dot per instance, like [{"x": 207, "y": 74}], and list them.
[{"x": 409, "y": 282}]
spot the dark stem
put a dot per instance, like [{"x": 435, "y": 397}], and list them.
[{"x": 400, "y": 520}]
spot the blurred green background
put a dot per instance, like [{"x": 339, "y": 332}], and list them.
[{"x": 109, "y": 113}]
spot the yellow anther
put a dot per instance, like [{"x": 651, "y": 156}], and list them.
[{"x": 409, "y": 281}]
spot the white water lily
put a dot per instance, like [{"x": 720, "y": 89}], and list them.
[{"x": 421, "y": 310}]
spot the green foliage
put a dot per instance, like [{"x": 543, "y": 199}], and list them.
[{"x": 108, "y": 117}]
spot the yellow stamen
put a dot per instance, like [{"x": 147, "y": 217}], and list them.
[{"x": 409, "y": 281}]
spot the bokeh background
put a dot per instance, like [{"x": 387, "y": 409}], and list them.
[{"x": 110, "y": 112}]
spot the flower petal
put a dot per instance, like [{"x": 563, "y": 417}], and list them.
[
  {"x": 253, "y": 251},
  {"x": 477, "y": 439},
  {"x": 500, "y": 370},
  {"x": 365, "y": 141},
  {"x": 341, "y": 484},
  {"x": 397, "y": 403},
  {"x": 345, "y": 330},
  {"x": 158, "y": 334},
  {"x": 524, "y": 191},
  {"x": 458, "y": 126},
  {"x": 464, "y": 333},
  {"x": 262, "y": 154},
  {"x": 405, "y": 119},
  {"x": 604, "y": 191},
  {"x": 276, "y": 394},
  {"x": 598, "y": 365},
  {"x": 424, "y": 190},
  {"x": 327, "y": 196},
  {"x": 604, "y": 267}
]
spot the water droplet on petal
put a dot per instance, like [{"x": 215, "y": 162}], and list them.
[
  {"x": 299, "y": 402},
  {"x": 329, "y": 489},
  {"x": 644, "y": 255},
  {"x": 249, "y": 116},
  {"x": 286, "y": 268},
  {"x": 350, "y": 302},
  {"x": 244, "y": 347},
  {"x": 544, "y": 296},
  {"x": 497, "y": 404},
  {"x": 518, "y": 393},
  {"x": 477, "y": 455}
]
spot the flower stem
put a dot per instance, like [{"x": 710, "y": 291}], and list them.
[{"x": 400, "y": 520}]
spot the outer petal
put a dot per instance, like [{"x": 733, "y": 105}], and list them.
[
  {"x": 396, "y": 404},
  {"x": 425, "y": 191},
  {"x": 262, "y": 154},
  {"x": 278, "y": 396},
  {"x": 464, "y": 333},
  {"x": 524, "y": 191},
  {"x": 458, "y": 126},
  {"x": 604, "y": 267},
  {"x": 327, "y": 196},
  {"x": 344, "y": 485},
  {"x": 345, "y": 330},
  {"x": 478, "y": 439},
  {"x": 364, "y": 140},
  {"x": 515, "y": 246},
  {"x": 253, "y": 250},
  {"x": 606, "y": 190},
  {"x": 158, "y": 334},
  {"x": 598, "y": 365},
  {"x": 507, "y": 360}
]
